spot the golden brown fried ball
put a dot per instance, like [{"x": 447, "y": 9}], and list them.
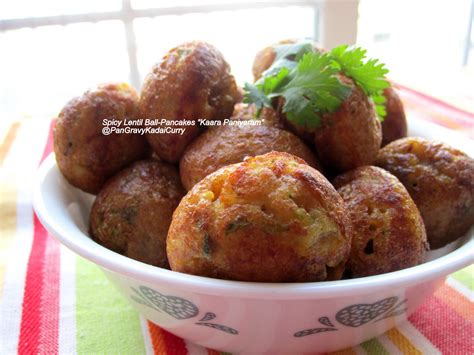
[
  {"x": 351, "y": 136},
  {"x": 394, "y": 126},
  {"x": 132, "y": 213},
  {"x": 225, "y": 145},
  {"x": 268, "y": 116},
  {"x": 440, "y": 179},
  {"x": 388, "y": 232},
  {"x": 244, "y": 111},
  {"x": 270, "y": 218},
  {"x": 191, "y": 82},
  {"x": 87, "y": 157}
]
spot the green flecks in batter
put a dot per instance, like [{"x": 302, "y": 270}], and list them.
[
  {"x": 238, "y": 224},
  {"x": 206, "y": 246}
]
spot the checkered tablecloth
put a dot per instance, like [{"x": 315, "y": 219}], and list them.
[{"x": 52, "y": 301}]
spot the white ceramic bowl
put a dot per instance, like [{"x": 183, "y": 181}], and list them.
[{"x": 254, "y": 317}]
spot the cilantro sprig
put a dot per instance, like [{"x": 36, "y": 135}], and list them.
[
  {"x": 369, "y": 75},
  {"x": 308, "y": 81},
  {"x": 310, "y": 88}
]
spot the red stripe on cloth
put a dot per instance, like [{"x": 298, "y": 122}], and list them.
[
  {"x": 40, "y": 316},
  {"x": 174, "y": 345},
  {"x": 443, "y": 327},
  {"x": 164, "y": 342},
  {"x": 40, "y": 308},
  {"x": 437, "y": 102}
]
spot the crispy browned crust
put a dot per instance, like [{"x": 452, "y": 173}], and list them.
[
  {"x": 271, "y": 218},
  {"x": 132, "y": 213},
  {"x": 192, "y": 81},
  {"x": 440, "y": 179},
  {"x": 244, "y": 111},
  {"x": 268, "y": 116},
  {"x": 394, "y": 126},
  {"x": 225, "y": 145},
  {"x": 351, "y": 136},
  {"x": 388, "y": 232},
  {"x": 263, "y": 60},
  {"x": 85, "y": 156}
]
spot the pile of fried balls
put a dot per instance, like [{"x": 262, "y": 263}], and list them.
[{"x": 272, "y": 202}]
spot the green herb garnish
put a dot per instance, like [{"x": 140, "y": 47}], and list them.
[
  {"x": 309, "y": 83},
  {"x": 311, "y": 88},
  {"x": 369, "y": 75}
]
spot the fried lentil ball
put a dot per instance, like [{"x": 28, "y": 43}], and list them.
[
  {"x": 271, "y": 218},
  {"x": 191, "y": 82},
  {"x": 87, "y": 157},
  {"x": 440, "y": 179},
  {"x": 394, "y": 126},
  {"x": 268, "y": 116},
  {"x": 225, "y": 145},
  {"x": 351, "y": 136},
  {"x": 347, "y": 138},
  {"x": 132, "y": 213},
  {"x": 388, "y": 231}
]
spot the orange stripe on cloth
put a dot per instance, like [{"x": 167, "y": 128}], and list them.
[
  {"x": 402, "y": 342},
  {"x": 8, "y": 141},
  {"x": 456, "y": 301},
  {"x": 157, "y": 339},
  {"x": 165, "y": 343}
]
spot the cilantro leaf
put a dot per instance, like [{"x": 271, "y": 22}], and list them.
[
  {"x": 293, "y": 51},
  {"x": 287, "y": 56},
  {"x": 314, "y": 89},
  {"x": 254, "y": 95},
  {"x": 379, "y": 101},
  {"x": 272, "y": 83},
  {"x": 369, "y": 75},
  {"x": 308, "y": 81}
]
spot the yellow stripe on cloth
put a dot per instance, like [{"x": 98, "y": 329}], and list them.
[
  {"x": 8, "y": 197},
  {"x": 402, "y": 342}
]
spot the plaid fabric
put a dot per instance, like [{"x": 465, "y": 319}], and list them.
[{"x": 46, "y": 303}]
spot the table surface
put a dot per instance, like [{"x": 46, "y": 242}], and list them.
[{"x": 52, "y": 301}]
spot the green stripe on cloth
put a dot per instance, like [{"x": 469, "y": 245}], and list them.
[
  {"x": 466, "y": 277},
  {"x": 374, "y": 347},
  {"x": 105, "y": 320}
]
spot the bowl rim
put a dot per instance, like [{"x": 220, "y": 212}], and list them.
[{"x": 83, "y": 245}]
